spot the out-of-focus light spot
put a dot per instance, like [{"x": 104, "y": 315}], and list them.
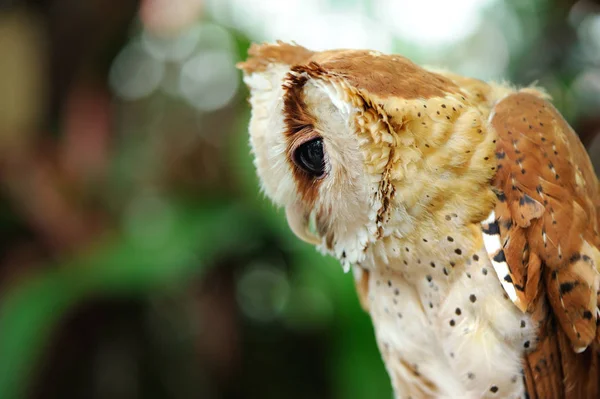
[
  {"x": 215, "y": 37},
  {"x": 594, "y": 29},
  {"x": 334, "y": 30},
  {"x": 135, "y": 74},
  {"x": 320, "y": 25},
  {"x": 139, "y": 211},
  {"x": 170, "y": 80},
  {"x": 209, "y": 80},
  {"x": 192, "y": 49},
  {"x": 589, "y": 35},
  {"x": 579, "y": 11},
  {"x": 506, "y": 20},
  {"x": 262, "y": 292},
  {"x": 166, "y": 17},
  {"x": 179, "y": 47},
  {"x": 311, "y": 23},
  {"x": 256, "y": 16},
  {"x": 171, "y": 48},
  {"x": 431, "y": 22},
  {"x": 586, "y": 89},
  {"x": 488, "y": 54}
]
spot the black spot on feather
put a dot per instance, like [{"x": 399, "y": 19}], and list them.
[
  {"x": 567, "y": 287},
  {"x": 500, "y": 257},
  {"x": 491, "y": 229},
  {"x": 519, "y": 287},
  {"x": 500, "y": 195},
  {"x": 526, "y": 199}
]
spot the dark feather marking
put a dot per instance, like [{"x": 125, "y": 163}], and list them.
[
  {"x": 526, "y": 199},
  {"x": 492, "y": 229},
  {"x": 567, "y": 287},
  {"x": 586, "y": 258},
  {"x": 500, "y": 195},
  {"x": 519, "y": 287},
  {"x": 500, "y": 257}
]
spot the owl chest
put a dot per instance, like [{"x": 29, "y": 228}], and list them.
[{"x": 445, "y": 328}]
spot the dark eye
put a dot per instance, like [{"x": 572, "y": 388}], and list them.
[{"x": 310, "y": 157}]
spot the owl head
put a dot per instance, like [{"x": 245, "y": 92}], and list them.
[{"x": 350, "y": 142}]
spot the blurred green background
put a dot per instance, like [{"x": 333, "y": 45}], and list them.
[{"x": 137, "y": 257}]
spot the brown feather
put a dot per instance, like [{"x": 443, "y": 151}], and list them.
[
  {"x": 534, "y": 278},
  {"x": 376, "y": 74},
  {"x": 580, "y": 379},
  {"x": 262, "y": 56},
  {"x": 544, "y": 376},
  {"x": 379, "y": 75},
  {"x": 547, "y": 206},
  {"x": 549, "y": 212}
]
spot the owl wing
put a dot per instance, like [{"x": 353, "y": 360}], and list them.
[{"x": 543, "y": 241}]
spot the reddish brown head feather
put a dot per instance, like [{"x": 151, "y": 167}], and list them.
[
  {"x": 263, "y": 55},
  {"x": 300, "y": 128},
  {"x": 385, "y": 75},
  {"x": 379, "y": 74}
]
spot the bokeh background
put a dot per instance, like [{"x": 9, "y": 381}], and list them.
[{"x": 137, "y": 257}]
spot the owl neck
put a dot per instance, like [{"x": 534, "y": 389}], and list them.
[
  {"x": 433, "y": 251},
  {"x": 439, "y": 178}
]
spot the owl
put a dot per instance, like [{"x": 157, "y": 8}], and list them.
[{"x": 468, "y": 212}]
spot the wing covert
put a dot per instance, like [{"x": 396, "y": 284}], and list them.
[{"x": 546, "y": 221}]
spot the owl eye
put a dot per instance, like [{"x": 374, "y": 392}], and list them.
[{"x": 310, "y": 157}]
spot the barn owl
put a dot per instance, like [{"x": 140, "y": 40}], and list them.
[{"x": 467, "y": 211}]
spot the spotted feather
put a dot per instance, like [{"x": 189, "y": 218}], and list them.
[
  {"x": 494, "y": 248},
  {"x": 547, "y": 224},
  {"x": 410, "y": 174}
]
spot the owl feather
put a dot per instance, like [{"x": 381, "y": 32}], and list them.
[{"x": 467, "y": 210}]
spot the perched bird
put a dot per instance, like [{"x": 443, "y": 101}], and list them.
[{"x": 468, "y": 212}]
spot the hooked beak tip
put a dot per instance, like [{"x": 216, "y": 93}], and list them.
[{"x": 303, "y": 224}]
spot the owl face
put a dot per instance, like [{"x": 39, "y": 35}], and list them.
[
  {"x": 309, "y": 158},
  {"x": 336, "y": 140}
]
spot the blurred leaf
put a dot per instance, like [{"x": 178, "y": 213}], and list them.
[{"x": 125, "y": 265}]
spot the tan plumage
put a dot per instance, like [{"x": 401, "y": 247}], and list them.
[{"x": 467, "y": 210}]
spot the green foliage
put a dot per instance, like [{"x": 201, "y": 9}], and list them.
[
  {"x": 162, "y": 246},
  {"x": 124, "y": 265}
]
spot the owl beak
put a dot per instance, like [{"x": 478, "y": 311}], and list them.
[{"x": 303, "y": 223}]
